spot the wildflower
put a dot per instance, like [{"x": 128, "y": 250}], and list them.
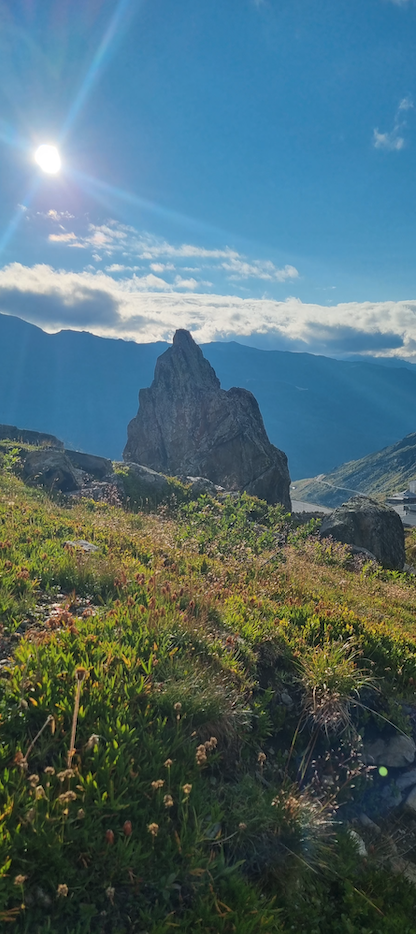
[
  {"x": 201, "y": 755},
  {"x": 242, "y": 826},
  {"x": 49, "y": 770},
  {"x": 62, "y": 891},
  {"x": 177, "y": 706},
  {"x": 187, "y": 789},
  {"x": 20, "y": 880},
  {"x": 33, "y": 780},
  {"x": 110, "y": 892},
  {"x": 81, "y": 814},
  {"x": 127, "y": 828},
  {"x": 93, "y": 741},
  {"x": 109, "y": 836},
  {"x": 158, "y": 784},
  {"x": 67, "y": 773},
  {"x": 153, "y": 829},
  {"x": 168, "y": 763},
  {"x": 211, "y": 743},
  {"x": 261, "y": 758},
  {"x": 67, "y": 796},
  {"x": 168, "y": 801},
  {"x": 39, "y": 792}
]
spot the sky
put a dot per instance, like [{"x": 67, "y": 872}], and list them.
[{"x": 241, "y": 168}]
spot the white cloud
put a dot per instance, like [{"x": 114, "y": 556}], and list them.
[
  {"x": 259, "y": 269},
  {"x": 393, "y": 140},
  {"x": 145, "y": 308},
  {"x": 389, "y": 141}
]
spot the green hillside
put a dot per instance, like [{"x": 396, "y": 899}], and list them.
[
  {"x": 380, "y": 474},
  {"x": 182, "y": 714}
]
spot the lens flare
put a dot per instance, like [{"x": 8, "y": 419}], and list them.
[{"x": 48, "y": 159}]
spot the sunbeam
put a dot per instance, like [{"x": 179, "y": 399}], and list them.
[
  {"x": 99, "y": 190},
  {"x": 100, "y": 59}
]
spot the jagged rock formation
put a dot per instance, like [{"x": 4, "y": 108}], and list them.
[
  {"x": 369, "y": 525},
  {"x": 187, "y": 424}
]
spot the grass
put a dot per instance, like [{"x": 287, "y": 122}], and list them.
[{"x": 152, "y": 779}]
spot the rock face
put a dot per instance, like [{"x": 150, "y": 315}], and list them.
[
  {"x": 188, "y": 425},
  {"x": 98, "y": 467},
  {"x": 364, "y": 523}
]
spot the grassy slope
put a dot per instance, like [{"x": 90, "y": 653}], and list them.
[
  {"x": 380, "y": 474},
  {"x": 187, "y": 625}
]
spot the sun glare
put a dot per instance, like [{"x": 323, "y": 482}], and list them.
[{"x": 48, "y": 158}]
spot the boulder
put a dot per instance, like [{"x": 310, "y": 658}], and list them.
[
  {"x": 98, "y": 467},
  {"x": 50, "y": 468},
  {"x": 396, "y": 752},
  {"x": 369, "y": 525},
  {"x": 187, "y": 425}
]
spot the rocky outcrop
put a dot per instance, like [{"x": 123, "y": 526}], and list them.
[
  {"x": 188, "y": 425},
  {"x": 51, "y": 469},
  {"x": 367, "y": 524},
  {"x": 11, "y": 433}
]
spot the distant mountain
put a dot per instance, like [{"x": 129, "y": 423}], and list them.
[
  {"x": 383, "y": 473},
  {"x": 84, "y": 389}
]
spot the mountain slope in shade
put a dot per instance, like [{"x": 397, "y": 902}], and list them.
[
  {"x": 380, "y": 474},
  {"x": 84, "y": 389}
]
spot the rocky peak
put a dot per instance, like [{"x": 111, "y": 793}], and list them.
[{"x": 187, "y": 425}]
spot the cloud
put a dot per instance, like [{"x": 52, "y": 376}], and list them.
[
  {"x": 393, "y": 140},
  {"x": 389, "y": 141},
  {"x": 146, "y": 308},
  {"x": 113, "y": 239},
  {"x": 259, "y": 269}
]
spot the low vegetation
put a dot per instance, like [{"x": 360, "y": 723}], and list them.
[{"x": 182, "y": 713}]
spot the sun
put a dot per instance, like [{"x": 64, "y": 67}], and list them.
[{"x": 48, "y": 158}]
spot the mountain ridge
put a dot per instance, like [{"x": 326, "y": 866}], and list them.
[{"x": 84, "y": 389}]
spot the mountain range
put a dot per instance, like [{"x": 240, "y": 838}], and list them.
[
  {"x": 321, "y": 411},
  {"x": 381, "y": 473}
]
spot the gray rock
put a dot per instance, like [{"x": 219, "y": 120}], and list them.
[
  {"x": 187, "y": 425},
  {"x": 407, "y": 780},
  {"x": 81, "y": 543},
  {"x": 396, "y": 752},
  {"x": 411, "y": 800},
  {"x": 366, "y": 821},
  {"x": 51, "y": 469},
  {"x": 198, "y": 486},
  {"x": 367, "y": 524},
  {"x": 286, "y": 699},
  {"x": 98, "y": 467}
]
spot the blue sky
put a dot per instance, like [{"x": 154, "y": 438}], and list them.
[{"x": 243, "y": 168}]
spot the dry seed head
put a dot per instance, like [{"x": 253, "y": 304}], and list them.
[
  {"x": 20, "y": 880},
  {"x": 67, "y": 773},
  {"x": 40, "y": 792},
  {"x": 33, "y": 779},
  {"x": 261, "y": 757},
  {"x": 49, "y": 770},
  {"x": 177, "y": 706},
  {"x": 168, "y": 801},
  {"x": 81, "y": 814},
  {"x": 153, "y": 829},
  {"x": 62, "y": 891},
  {"x": 187, "y": 789},
  {"x": 67, "y": 796},
  {"x": 168, "y": 763},
  {"x": 81, "y": 673},
  {"x": 93, "y": 741},
  {"x": 31, "y": 815},
  {"x": 110, "y": 893},
  {"x": 242, "y": 826},
  {"x": 158, "y": 784}
]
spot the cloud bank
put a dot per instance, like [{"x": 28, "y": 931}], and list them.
[{"x": 131, "y": 308}]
